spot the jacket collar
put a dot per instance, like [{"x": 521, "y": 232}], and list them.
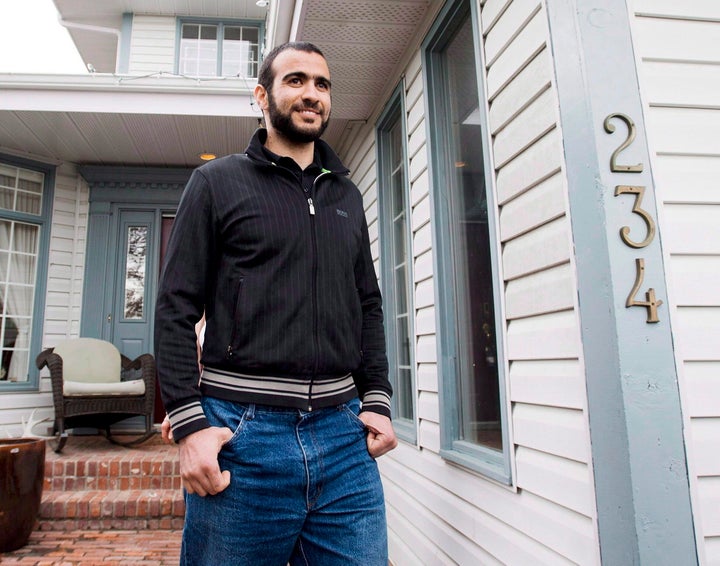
[{"x": 324, "y": 155}]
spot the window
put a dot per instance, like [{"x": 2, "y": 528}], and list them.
[
  {"x": 135, "y": 262},
  {"x": 468, "y": 282},
  {"x": 396, "y": 261},
  {"x": 25, "y": 198},
  {"x": 219, "y": 49}
]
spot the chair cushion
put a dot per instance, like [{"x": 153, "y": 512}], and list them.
[
  {"x": 76, "y": 388},
  {"x": 89, "y": 360}
]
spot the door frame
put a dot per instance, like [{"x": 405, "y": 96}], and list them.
[{"x": 113, "y": 189}]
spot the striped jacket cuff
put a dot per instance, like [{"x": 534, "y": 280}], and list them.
[
  {"x": 187, "y": 419},
  {"x": 376, "y": 402}
]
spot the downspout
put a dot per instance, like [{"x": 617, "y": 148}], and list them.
[
  {"x": 279, "y": 23},
  {"x": 98, "y": 29}
]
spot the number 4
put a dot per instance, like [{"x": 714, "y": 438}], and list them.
[{"x": 651, "y": 303}]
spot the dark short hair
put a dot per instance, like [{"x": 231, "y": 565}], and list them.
[{"x": 266, "y": 76}]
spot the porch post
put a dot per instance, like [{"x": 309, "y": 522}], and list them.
[{"x": 638, "y": 452}]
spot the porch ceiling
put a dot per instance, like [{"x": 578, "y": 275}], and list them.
[{"x": 363, "y": 40}]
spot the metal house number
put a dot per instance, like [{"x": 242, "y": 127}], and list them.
[{"x": 651, "y": 302}]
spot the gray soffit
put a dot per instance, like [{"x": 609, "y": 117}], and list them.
[{"x": 106, "y": 119}]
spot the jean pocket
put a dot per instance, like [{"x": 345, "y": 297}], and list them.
[
  {"x": 351, "y": 412},
  {"x": 226, "y": 414}
]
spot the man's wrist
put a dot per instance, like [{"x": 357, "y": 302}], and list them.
[{"x": 187, "y": 419}]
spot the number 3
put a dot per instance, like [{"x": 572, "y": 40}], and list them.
[{"x": 644, "y": 214}]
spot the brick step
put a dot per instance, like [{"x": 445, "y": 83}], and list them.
[
  {"x": 96, "y": 485},
  {"x": 70, "y": 475},
  {"x": 115, "y": 509},
  {"x": 95, "y": 464}
]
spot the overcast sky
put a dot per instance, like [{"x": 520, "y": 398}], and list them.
[{"x": 32, "y": 40}]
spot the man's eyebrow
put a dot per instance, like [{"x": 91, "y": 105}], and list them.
[{"x": 305, "y": 76}]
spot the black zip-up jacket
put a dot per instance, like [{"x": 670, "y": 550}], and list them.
[{"x": 281, "y": 266}]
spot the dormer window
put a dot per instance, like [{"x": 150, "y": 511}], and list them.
[{"x": 219, "y": 49}]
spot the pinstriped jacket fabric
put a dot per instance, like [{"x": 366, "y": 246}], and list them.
[{"x": 279, "y": 260}]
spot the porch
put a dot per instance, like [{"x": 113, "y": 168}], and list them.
[{"x": 106, "y": 504}]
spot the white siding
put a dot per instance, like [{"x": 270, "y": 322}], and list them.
[
  {"x": 61, "y": 318},
  {"x": 152, "y": 45},
  {"x": 678, "y": 50},
  {"x": 438, "y": 512}
]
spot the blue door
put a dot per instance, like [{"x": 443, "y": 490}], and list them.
[{"x": 131, "y": 297}]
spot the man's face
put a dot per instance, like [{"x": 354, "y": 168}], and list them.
[{"x": 298, "y": 106}]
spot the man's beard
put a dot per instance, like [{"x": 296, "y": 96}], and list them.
[{"x": 283, "y": 124}]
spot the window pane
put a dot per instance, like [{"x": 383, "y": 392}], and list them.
[
  {"x": 399, "y": 238},
  {"x": 240, "y": 49},
  {"x": 250, "y": 34},
  {"x": 135, "y": 272},
  {"x": 404, "y": 394},
  {"x": 470, "y": 241},
  {"x": 233, "y": 33},
  {"x": 190, "y": 31},
  {"x": 199, "y": 57},
  {"x": 401, "y": 290},
  {"x": 403, "y": 341},
  {"x": 21, "y": 189},
  {"x": 18, "y": 265},
  {"x": 30, "y": 181},
  {"x": 208, "y": 32},
  {"x": 7, "y": 198},
  {"x": 26, "y": 202}
]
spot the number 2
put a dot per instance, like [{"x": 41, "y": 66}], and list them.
[{"x": 610, "y": 128}]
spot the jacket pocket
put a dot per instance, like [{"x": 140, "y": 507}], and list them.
[{"x": 234, "y": 322}]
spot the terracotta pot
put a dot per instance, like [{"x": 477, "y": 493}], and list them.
[{"x": 22, "y": 470}]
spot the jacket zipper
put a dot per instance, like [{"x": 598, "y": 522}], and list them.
[{"x": 313, "y": 237}]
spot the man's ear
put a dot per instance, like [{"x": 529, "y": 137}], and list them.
[{"x": 261, "y": 97}]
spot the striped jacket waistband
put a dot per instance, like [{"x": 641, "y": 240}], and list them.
[{"x": 296, "y": 392}]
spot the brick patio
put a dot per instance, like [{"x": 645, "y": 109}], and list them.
[
  {"x": 106, "y": 504},
  {"x": 90, "y": 547}
]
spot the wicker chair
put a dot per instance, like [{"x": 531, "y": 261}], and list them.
[{"x": 95, "y": 386}]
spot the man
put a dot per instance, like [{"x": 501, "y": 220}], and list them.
[{"x": 276, "y": 453}]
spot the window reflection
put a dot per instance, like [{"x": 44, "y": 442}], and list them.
[
  {"x": 478, "y": 385},
  {"x": 135, "y": 272}
]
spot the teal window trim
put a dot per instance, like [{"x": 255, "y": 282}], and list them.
[
  {"x": 484, "y": 460},
  {"x": 221, "y": 23},
  {"x": 394, "y": 113},
  {"x": 43, "y": 220}
]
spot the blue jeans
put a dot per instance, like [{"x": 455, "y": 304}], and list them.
[{"x": 304, "y": 490}]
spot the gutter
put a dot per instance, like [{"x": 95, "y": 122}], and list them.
[{"x": 96, "y": 29}]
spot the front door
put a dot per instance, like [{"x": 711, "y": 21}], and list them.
[{"x": 131, "y": 296}]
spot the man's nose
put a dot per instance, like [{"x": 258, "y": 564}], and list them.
[{"x": 311, "y": 92}]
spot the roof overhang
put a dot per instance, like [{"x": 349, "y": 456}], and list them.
[
  {"x": 167, "y": 120},
  {"x": 95, "y": 26},
  {"x": 106, "y": 119}
]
